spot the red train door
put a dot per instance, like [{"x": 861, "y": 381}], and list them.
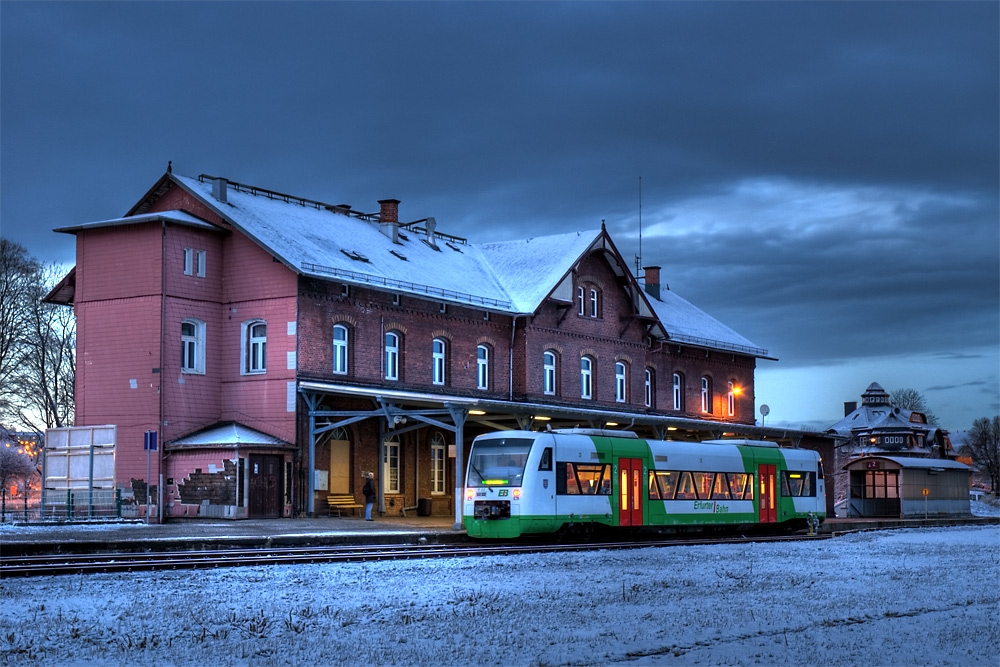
[
  {"x": 630, "y": 492},
  {"x": 768, "y": 494}
]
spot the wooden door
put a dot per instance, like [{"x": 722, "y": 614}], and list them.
[
  {"x": 630, "y": 488},
  {"x": 266, "y": 487},
  {"x": 768, "y": 496}
]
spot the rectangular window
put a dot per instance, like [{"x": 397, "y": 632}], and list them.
[
  {"x": 706, "y": 395},
  {"x": 437, "y": 468},
  {"x": 199, "y": 257},
  {"x": 188, "y": 261},
  {"x": 593, "y": 303},
  {"x": 390, "y": 466},
  {"x": 796, "y": 483},
  {"x": 194, "y": 262},
  {"x": 583, "y": 479},
  {"x": 579, "y": 298}
]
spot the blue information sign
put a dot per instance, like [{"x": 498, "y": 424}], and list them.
[{"x": 149, "y": 443}]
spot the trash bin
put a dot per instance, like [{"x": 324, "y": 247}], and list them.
[{"x": 424, "y": 507}]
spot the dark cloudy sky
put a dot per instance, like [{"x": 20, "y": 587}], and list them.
[{"x": 823, "y": 177}]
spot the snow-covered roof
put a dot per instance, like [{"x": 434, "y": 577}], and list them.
[
  {"x": 685, "y": 323},
  {"x": 515, "y": 277},
  {"x": 231, "y": 434},
  {"x": 177, "y": 217},
  {"x": 910, "y": 462}
]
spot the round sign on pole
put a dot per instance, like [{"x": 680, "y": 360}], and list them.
[{"x": 926, "y": 492}]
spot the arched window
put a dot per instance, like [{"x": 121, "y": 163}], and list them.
[
  {"x": 648, "y": 388},
  {"x": 621, "y": 383},
  {"x": 593, "y": 303},
  {"x": 586, "y": 377},
  {"x": 731, "y": 398},
  {"x": 549, "y": 372},
  {"x": 482, "y": 367},
  {"x": 579, "y": 298},
  {"x": 340, "y": 349},
  {"x": 254, "y": 344},
  {"x": 678, "y": 391},
  {"x": 192, "y": 346},
  {"x": 438, "y": 450},
  {"x": 706, "y": 394},
  {"x": 391, "y": 356},
  {"x": 438, "y": 360}
]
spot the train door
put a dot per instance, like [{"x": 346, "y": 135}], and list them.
[
  {"x": 630, "y": 492},
  {"x": 265, "y": 487},
  {"x": 768, "y": 494}
]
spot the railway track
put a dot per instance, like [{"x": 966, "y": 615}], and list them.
[{"x": 28, "y": 566}]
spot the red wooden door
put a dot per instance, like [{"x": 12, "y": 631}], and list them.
[
  {"x": 768, "y": 494},
  {"x": 630, "y": 492}
]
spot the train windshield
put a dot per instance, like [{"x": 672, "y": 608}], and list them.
[{"x": 498, "y": 461}]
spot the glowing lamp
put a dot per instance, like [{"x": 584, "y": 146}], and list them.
[
  {"x": 517, "y": 494},
  {"x": 477, "y": 412},
  {"x": 470, "y": 494}
]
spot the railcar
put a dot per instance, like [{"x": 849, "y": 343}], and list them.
[{"x": 524, "y": 483}]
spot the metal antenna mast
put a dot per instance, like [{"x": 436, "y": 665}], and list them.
[{"x": 638, "y": 258}]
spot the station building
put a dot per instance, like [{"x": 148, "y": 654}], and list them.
[{"x": 283, "y": 347}]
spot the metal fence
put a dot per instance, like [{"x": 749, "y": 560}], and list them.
[{"x": 71, "y": 505}]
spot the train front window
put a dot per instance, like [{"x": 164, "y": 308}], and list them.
[{"x": 498, "y": 461}]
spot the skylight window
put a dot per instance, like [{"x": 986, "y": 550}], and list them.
[
  {"x": 400, "y": 255},
  {"x": 431, "y": 245},
  {"x": 356, "y": 256},
  {"x": 453, "y": 247}
]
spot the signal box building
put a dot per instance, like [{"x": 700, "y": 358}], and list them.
[{"x": 283, "y": 347}]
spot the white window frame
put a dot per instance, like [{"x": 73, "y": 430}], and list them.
[
  {"x": 390, "y": 466},
  {"x": 731, "y": 399},
  {"x": 439, "y": 353},
  {"x": 706, "y": 394},
  {"x": 199, "y": 256},
  {"x": 482, "y": 367},
  {"x": 438, "y": 465},
  {"x": 621, "y": 386},
  {"x": 580, "y": 297},
  {"x": 648, "y": 388},
  {"x": 253, "y": 348},
  {"x": 593, "y": 303},
  {"x": 188, "y": 261},
  {"x": 549, "y": 372},
  {"x": 678, "y": 391},
  {"x": 586, "y": 377},
  {"x": 193, "y": 347},
  {"x": 341, "y": 348},
  {"x": 391, "y": 339},
  {"x": 194, "y": 262}
]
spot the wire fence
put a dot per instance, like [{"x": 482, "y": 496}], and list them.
[{"x": 70, "y": 505}]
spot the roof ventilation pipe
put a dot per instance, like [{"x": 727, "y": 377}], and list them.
[
  {"x": 431, "y": 225},
  {"x": 219, "y": 189},
  {"x": 389, "y": 218}
]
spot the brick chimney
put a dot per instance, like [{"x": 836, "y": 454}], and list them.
[
  {"x": 389, "y": 218},
  {"x": 652, "y": 281}
]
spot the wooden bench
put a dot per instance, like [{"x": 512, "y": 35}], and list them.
[{"x": 338, "y": 502}]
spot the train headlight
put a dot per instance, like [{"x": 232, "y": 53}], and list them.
[
  {"x": 470, "y": 494},
  {"x": 517, "y": 494}
]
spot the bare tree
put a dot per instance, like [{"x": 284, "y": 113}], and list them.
[
  {"x": 37, "y": 345},
  {"x": 984, "y": 444},
  {"x": 911, "y": 399},
  {"x": 15, "y": 466}
]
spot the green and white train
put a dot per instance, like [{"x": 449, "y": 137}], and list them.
[{"x": 523, "y": 482}]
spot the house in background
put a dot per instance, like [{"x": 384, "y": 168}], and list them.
[{"x": 282, "y": 347}]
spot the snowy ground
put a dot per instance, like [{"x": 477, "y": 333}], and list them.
[{"x": 905, "y": 597}]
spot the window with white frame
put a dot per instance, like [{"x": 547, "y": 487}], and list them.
[
  {"x": 593, "y": 303},
  {"x": 678, "y": 391},
  {"x": 586, "y": 377},
  {"x": 192, "y": 346},
  {"x": 549, "y": 372},
  {"x": 706, "y": 394},
  {"x": 194, "y": 262},
  {"x": 390, "y": 466},
  {"x": 391, "y": 356},
  {"x": 482, "y": 367},
  {"x": 580, "y": 301},
  {"x": 620, "y": 382},
  {"x": 437, "y": 464},
  {"x": 438, "y": 360},
  {"x": 254, "y": 344},
  {"x": 340, "y": 349},
  {"x": 648, "y": 388},
  {"x": 731, "y": 399}
]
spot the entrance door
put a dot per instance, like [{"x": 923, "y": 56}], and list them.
[
  {"x": 630, "y": 492},
  {"x": 768, "y": 494},
  {"x": 265, "y": 487}
]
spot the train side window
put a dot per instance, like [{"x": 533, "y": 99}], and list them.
[
  {"x": 737, "y": 481},
  {"x": 721, "y": 489},
  {"x": 654, "y": 488},
  {"x": 685, "y": 487},
  {"x": 798, "y": 483},
  {"x": 546, "y": 462},
  {"x": 703, "y": 484},
  {"x": 666, "y": 483},
  {"x": 583, "y": 479},
  {"x": 785, "y": 491}
]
